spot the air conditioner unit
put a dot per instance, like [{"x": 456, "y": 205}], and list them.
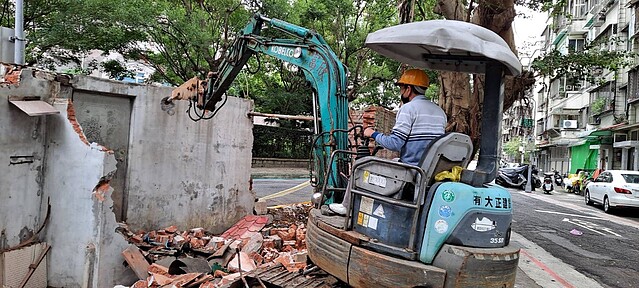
[{"x": 569, "y": 124}]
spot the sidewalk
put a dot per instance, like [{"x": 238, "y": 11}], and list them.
[{"x": 280, "y": 172}]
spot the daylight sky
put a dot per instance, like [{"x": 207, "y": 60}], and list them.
[{"x": 528, "y": 31}]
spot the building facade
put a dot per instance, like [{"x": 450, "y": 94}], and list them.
[{"x": 584, "y": 124}]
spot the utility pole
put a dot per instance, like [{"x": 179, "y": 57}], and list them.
[
  {"x": 531, "y": 135},
  {"x": 18, "y": 57}
]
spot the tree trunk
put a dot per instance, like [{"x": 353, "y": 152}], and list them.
[{"x": 462, "y": 106}]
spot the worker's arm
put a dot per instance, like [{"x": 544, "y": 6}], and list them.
[{"x": 399, "y": 134}]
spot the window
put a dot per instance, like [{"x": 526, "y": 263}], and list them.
[
  {"x": 576, "y": 45},
  {"x": 580, "y": 8},
  {"x": 633, "y": 87},
  {"x": 630, "y": 178}
]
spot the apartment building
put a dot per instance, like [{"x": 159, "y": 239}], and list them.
[{"x": 590, "y": 124}]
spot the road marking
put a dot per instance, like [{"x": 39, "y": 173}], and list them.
[
  {"x": 568, "y": 214},
  {"x": 611, "y": 218},
  {"x": 542, "y": 267},
  {"x": 584, "y": 226},
  {"x": 286, "y": 191},
  {"x": 596, "y": 226}
]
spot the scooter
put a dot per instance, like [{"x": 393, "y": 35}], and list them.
[
  {"x": 547, "y": 186},
  {"x": 517, "y": 177},
  {"x": 559, "y": 180}
]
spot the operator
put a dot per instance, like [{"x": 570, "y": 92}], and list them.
[{"x": 417, "y": 123}]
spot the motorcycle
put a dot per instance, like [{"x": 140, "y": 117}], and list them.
[
  {"x": 559, "y": 180},
  {"x": 548, "y": 180},
  {"x": 576, "y": 183},
  {"x": 517, "y": 177}
]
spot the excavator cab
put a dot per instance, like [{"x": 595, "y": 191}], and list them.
[{"x": 403, "y": 227}]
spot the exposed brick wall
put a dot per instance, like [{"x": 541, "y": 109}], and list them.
[{"x": 381, "y": 119}]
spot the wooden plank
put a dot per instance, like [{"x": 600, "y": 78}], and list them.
[
  {"x": 35, "y": 108},
  {"x": 136, "y": 261}
]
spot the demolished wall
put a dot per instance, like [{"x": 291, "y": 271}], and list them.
[
  {"x": 178, "y": 172},
  {"x": 81, "y": 226},
  {"x": 22, "y": 142}
]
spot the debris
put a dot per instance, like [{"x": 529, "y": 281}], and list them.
[
  {"x": 245, "y": 262},
  {"x": 254, "y": 244},
  {"x": 260, "y": 207},
  {"x": 189, "y": 265},
  {"x": 246, "y": 227},
  {"x": 576, "y": 232},
  {"x": 136, "y": 261},
  {"x": 194, "y": 257}
]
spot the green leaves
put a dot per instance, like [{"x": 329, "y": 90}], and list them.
[
  {"x": 586, "y": 65},
  {"x": 182, "y": 39}
]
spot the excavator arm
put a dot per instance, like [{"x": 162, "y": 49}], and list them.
[{"x": 321, "y": 67}]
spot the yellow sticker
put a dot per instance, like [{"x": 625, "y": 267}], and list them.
[
  {"x": 365, "y": 176},
  {"x": 360, "y": 218}
]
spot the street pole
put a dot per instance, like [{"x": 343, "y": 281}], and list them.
[
  {"x": 19, "y": 34},
  {"x": 528, "y": 188},
  {"x": 531, "y": 135}
]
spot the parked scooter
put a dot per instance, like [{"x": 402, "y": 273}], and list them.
[
  {"x": 547, "y": 186},
  {"x": 559, "y": 180},
  {"x": 517, "y": 177}
]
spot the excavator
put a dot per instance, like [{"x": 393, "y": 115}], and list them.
[{"x": 405, "y": 225}]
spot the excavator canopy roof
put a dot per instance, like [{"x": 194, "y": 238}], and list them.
[{"x": 448, "y": 45}]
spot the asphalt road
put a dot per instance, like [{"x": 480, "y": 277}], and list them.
[
  {"x": 564, "y": 242},
  {"x": 600, "y": 246}
]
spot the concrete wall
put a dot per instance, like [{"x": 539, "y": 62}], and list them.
[
  {"x": 181, "y": 172},
  {"x": 178, "y": 172},
  {"x": 81, "y": 231},
  {"x": 21, "y": 178}
]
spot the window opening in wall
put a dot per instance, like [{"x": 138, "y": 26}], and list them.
[{"x": 576, "y": 45}]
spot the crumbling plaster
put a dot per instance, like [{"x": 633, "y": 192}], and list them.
[
  {"x": 180, "y": 173},
  {"x": 82, "y": 227},
  {"x": 22, "y": 154}
]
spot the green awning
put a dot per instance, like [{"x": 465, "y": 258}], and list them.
[
  {"x": 560, "y": 37},
  {"x": 590, "y": 21},
  {"x": 582, "y": 157}
]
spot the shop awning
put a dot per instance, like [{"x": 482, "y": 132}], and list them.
[{"x": 591, "y": 134}]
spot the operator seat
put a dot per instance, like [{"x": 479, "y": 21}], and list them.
[
  {"x": 398, "y": 180},
  {"x": 394, "y": 193},
  {"x": 445, "y": 152}
]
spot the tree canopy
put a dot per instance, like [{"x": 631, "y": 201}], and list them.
[{"x": 182, "y": 39}]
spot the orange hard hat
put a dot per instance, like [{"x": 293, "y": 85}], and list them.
[{"x": 415, "y": 77}]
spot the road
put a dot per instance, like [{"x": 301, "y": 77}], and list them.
[
  {"x": 564, "y": 242},
  {"x": 602, "y": 247}
]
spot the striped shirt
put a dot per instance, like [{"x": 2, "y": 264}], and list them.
[{"x": 417, "y": 123}]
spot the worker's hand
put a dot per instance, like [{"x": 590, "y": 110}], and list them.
[{"x": 368, "y": 132}]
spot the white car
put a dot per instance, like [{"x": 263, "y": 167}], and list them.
[{"x": 614, "y": 188}]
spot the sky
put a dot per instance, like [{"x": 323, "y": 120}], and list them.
[{"x": 527, "y": 31}]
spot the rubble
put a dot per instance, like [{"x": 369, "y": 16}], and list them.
[{"x": 171, "y": 257}]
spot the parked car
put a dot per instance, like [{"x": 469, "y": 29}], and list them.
[{"x": 614, "y": 189}]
